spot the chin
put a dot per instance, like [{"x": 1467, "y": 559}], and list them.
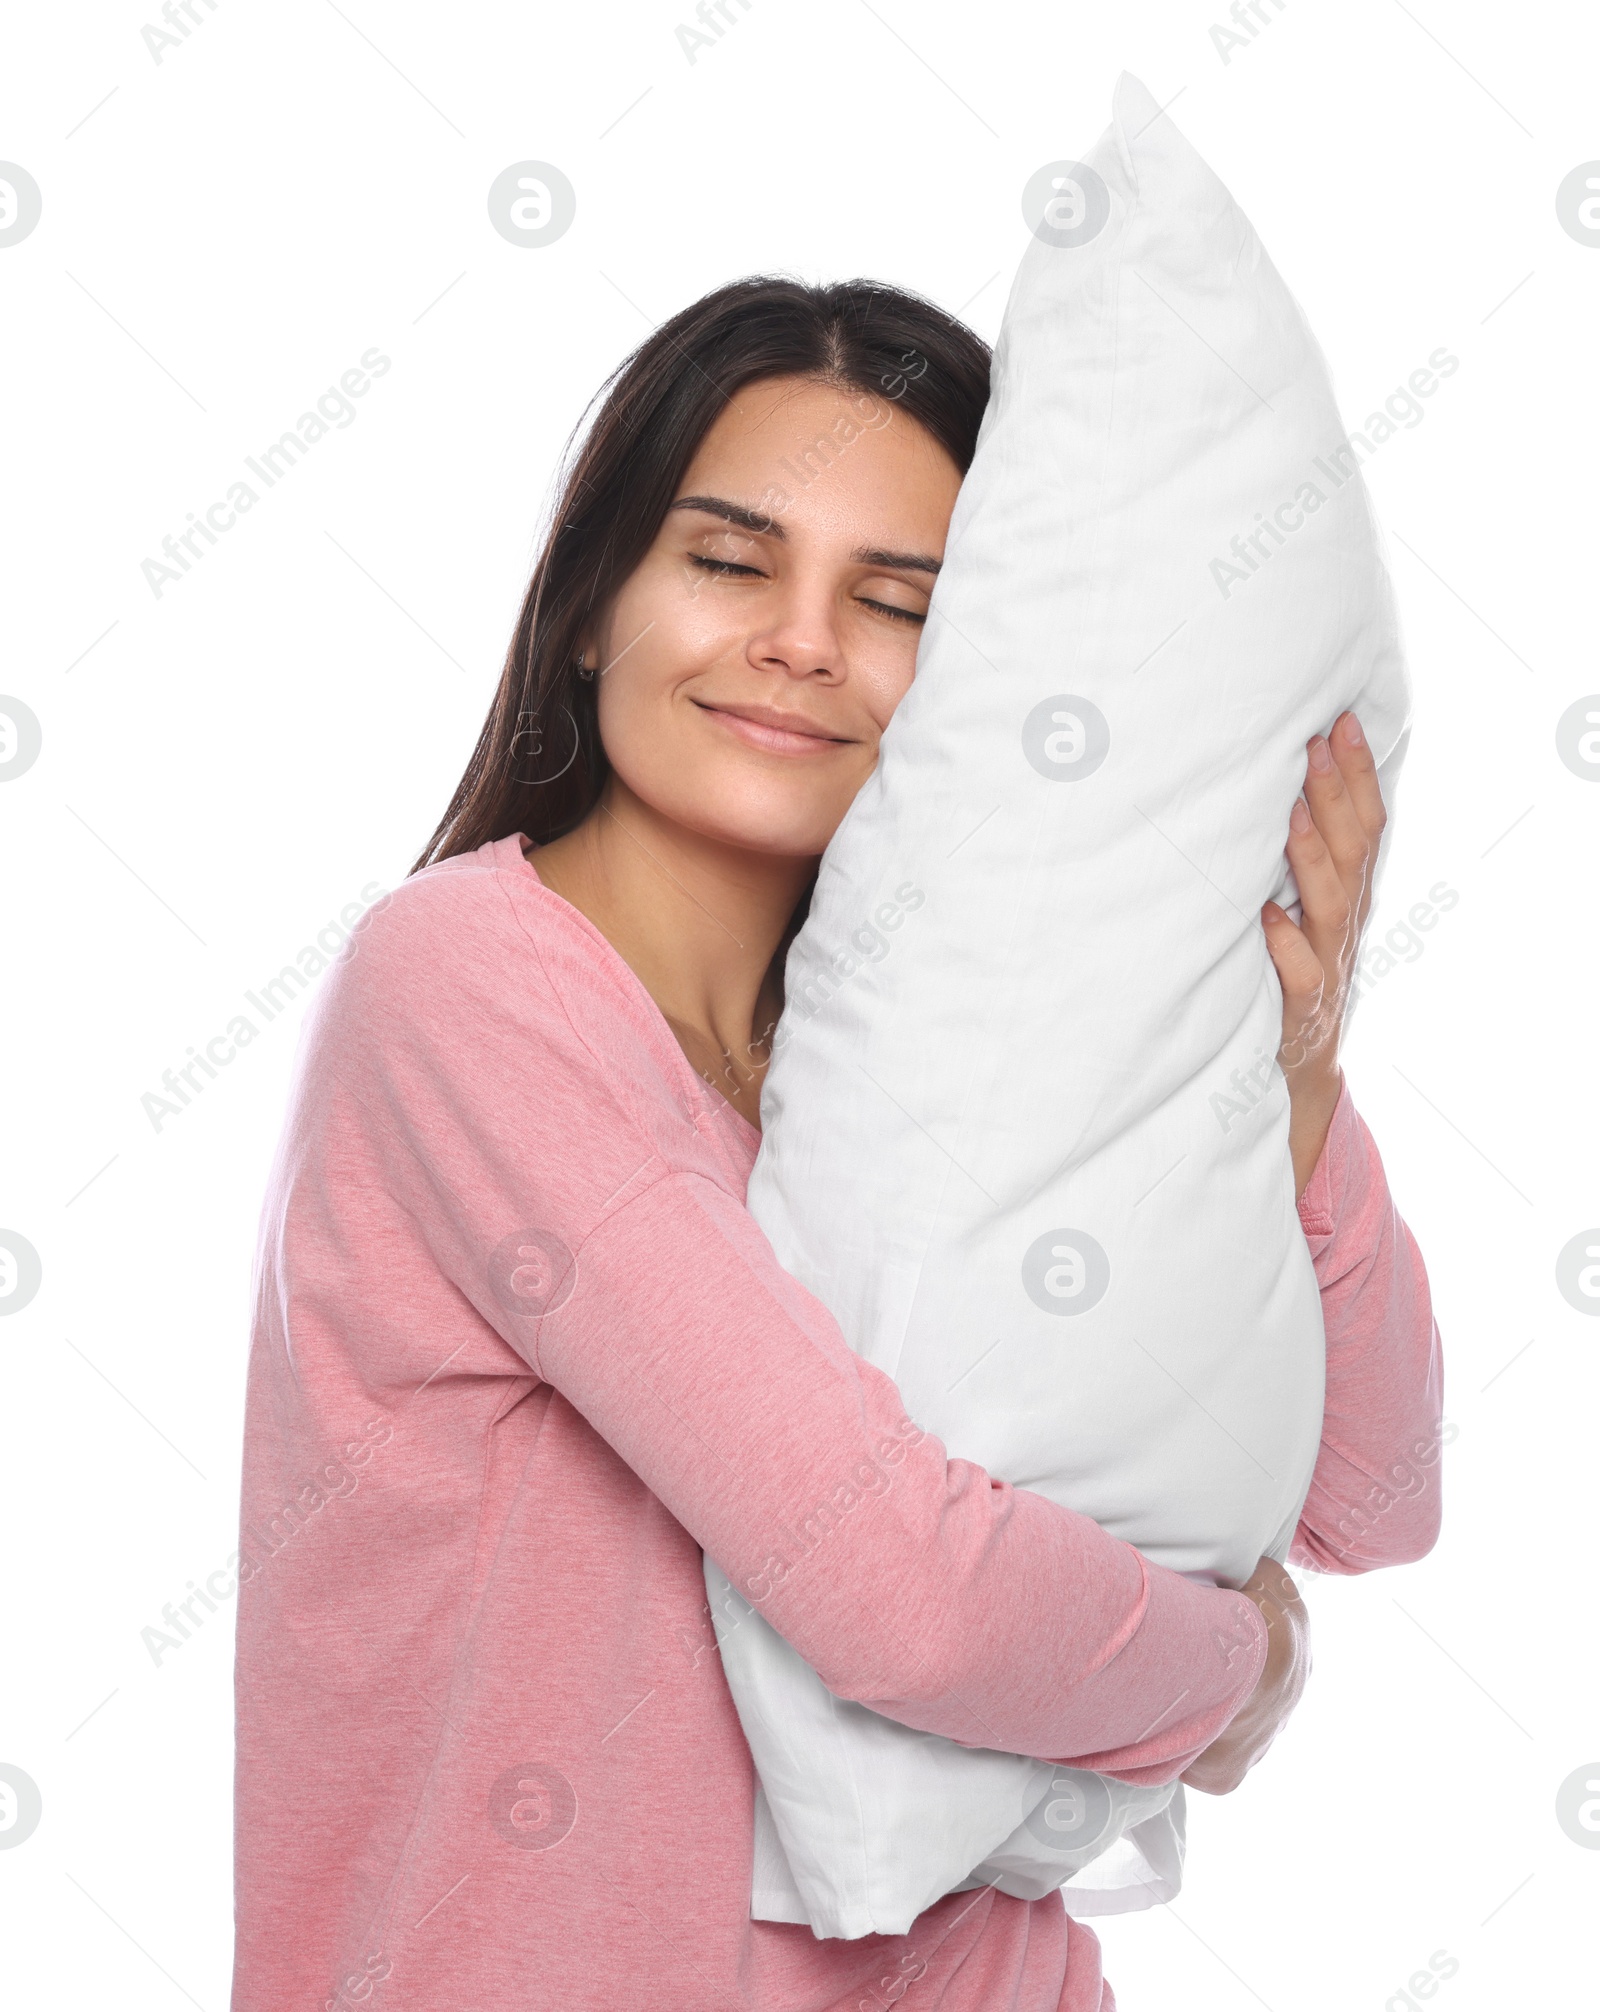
[
  {"x": 787, "y": 816},
  {"x": 780, "y": 829},
  {"x": 778, "y": 838}
]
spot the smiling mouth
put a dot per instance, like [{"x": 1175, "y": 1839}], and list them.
[{"x": 773, "y": 732}]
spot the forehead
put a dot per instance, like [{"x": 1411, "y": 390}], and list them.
[{"x": 819, "y": 455}]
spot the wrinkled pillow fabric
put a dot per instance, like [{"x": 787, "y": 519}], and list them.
[{"x": 1025, "y": 1130}]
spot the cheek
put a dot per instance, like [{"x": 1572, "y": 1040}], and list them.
[
  {"x": 669, "y": 611},
  {"x": 663, "y": 632},
  {"x": 883, "y": 683}
]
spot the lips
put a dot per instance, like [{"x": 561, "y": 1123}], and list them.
[{"x": 773, "y": 731}]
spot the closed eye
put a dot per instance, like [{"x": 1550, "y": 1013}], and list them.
[
  {"x": 725, "y": 566},
  {"x": 895, "y": 614},
  {"x": 732, "y": 569}
]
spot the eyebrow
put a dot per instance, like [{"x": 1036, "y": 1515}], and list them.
[{"x": 764, "y": 526}]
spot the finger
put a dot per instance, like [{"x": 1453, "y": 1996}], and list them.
[
  {"x": 1360, "y": 771},
  {"x": 1302, "y": 979},
  {"x": 1300, "y": 969},
  {"x": 1328, "y": 907},
  {"x": 1337, "y": 817}
]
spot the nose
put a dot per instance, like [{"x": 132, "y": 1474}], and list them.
[{"x": 800, "y": 636}]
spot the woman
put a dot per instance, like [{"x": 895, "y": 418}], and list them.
[{"x": 520, "y": 1352}]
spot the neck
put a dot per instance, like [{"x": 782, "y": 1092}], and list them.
[{"x": 699, "y": 922}]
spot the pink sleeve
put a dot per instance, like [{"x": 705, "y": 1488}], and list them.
[
  {"x": 475, "y": 1061},
  {"x": 912, "y": 1583},
  {"x": 1374, "y": 1496}
]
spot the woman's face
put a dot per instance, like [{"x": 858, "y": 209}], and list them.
[{"x": 750, "y": 663}]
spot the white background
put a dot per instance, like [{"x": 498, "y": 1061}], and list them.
[{"x": 226, "y": 766}]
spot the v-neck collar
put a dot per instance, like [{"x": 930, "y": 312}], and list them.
[{"x": 630, "y": 978}]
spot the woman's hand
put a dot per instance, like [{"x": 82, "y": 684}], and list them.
[
  {"x": 1256, "y": 1724},
  {"x": 1332, "y": 846}
]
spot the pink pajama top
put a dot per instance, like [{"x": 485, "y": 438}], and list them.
[{"x": 519, "y": 1353}]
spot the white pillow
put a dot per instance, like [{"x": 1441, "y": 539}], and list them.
[{"x": 1025, "y": 1132}]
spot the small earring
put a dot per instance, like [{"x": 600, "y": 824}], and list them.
[{"x": 584, "y": 670}]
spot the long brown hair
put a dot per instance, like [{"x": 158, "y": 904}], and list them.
[{"x": 539, "y": 766}]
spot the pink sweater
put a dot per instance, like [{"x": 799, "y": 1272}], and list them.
[{"x": 520, "y": 1352}]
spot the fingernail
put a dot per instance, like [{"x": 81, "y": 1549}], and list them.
[
  {"x": 1299, "y": 817},
  {"x": 1352, "y": 731},
  {"x": 1321, "y": 760}
]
